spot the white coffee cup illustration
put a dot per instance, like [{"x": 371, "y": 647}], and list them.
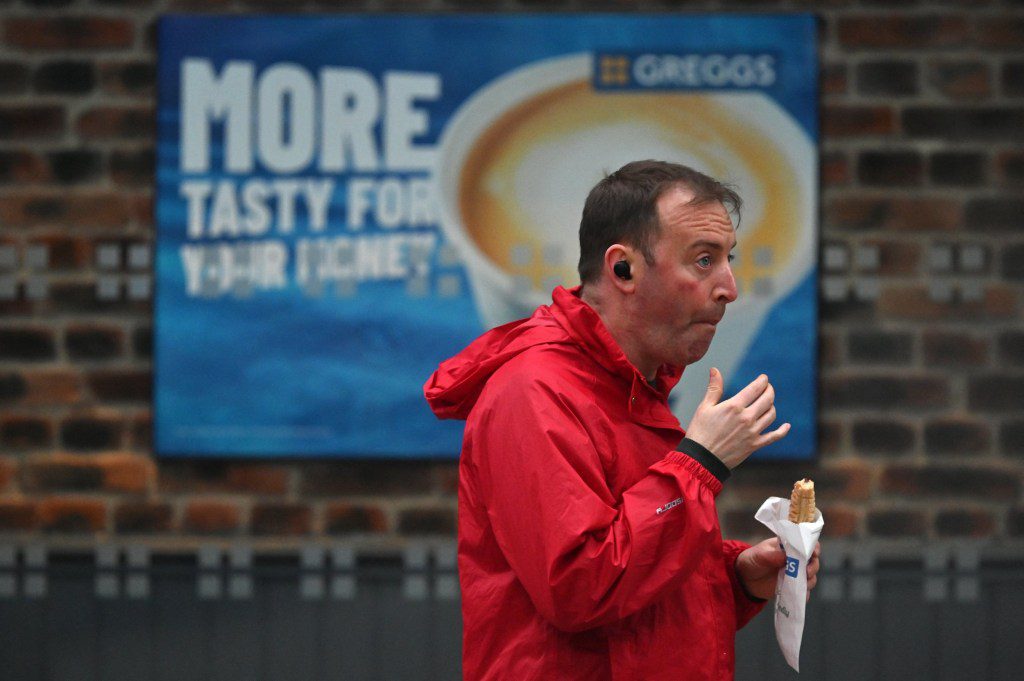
[{"x": 517, "y": 160}]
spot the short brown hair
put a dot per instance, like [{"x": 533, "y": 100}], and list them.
[{"x": 622, "y": 208}]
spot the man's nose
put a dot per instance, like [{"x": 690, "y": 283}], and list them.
[{"x": 726, "y": 291}]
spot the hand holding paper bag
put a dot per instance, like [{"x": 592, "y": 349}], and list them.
[{"x": 798, "y": 541}]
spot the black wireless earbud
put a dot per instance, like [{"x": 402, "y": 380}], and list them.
[{"x": 621, "y": 269}]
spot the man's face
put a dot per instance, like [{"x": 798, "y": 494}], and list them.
[{"x": 682, "y": 296}]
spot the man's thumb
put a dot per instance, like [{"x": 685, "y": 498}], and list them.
[{"x": 714, "y": 393}]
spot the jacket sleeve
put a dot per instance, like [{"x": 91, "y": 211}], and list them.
[
  {"x": 584, "y": 558},
  {"x": 746, "y": 605}
]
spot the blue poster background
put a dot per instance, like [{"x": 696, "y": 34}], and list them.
[{"x": 281, "y": 373}]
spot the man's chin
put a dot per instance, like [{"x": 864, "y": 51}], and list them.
[{"x": 695, "y": 352}]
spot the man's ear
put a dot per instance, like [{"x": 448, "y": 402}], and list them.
[{"x": 619, "y": 267}]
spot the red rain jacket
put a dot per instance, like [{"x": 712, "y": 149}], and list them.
[{"x": 588, "y": 547}]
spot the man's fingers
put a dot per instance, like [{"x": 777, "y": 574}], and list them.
[
  {"x": 750, "y": 393},
  {"x": 774, "y": 436},
  {"x": 764, "y": 401},
  {"x": 766, "y": 420}
]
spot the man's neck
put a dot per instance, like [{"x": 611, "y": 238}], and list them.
[{"x": 617, "y": 321}]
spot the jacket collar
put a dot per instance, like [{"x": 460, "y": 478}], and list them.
[{"x": 648, "y": 403}]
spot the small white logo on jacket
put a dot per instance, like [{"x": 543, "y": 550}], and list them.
[{"x": 670, "y": 505}]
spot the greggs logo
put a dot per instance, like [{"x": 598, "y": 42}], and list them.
[{"x": 691, "y": 71}]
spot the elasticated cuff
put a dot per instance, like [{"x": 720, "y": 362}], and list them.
[{"x": 701, "y": 455}]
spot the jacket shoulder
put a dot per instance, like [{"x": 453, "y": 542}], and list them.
[{"x": 552, "y": 369}]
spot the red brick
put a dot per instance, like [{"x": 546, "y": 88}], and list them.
[
  {"x": 128, "y": 78},
  {"x": 872, "y": 437},
  {"x": 965, "y": 523},
  {"x": 94, "y": 342},
  {"x": 1011, "y": 437},
  {"x": 27, "y": 344},
  {"x": 46, "y": 387},
  {"x": 896, "y": 256},
  {"x": 896, "y": 523},
  {"x": 856, "y": 121},
  {"x": 830, "y": 437},
  {"x": 68, "y": 33},
  {"x": 13, "y": 386},
  {"x": 996, "y": 393},
  {"x": 1015, "y": 522},
  {"x": 61, "y": 472},
  {"x": 965, "y": 123},
  {"x": 22, "y": 167},
  {"x": 998, "y": 302},
  {"x": 133, "y": 168},
  {"x": 281, "y": 519},
  {"x": 143, "y": 517},
  {"x": 1003, "y": 32},
  {"x": 127, "y": 472},
  {"x": 121, "y": 385},
  {"x": 835, "y": 169},
  {"x": 830, "y": 349},
  {"x": 961, "y": 80},
  {"x": 833, "y": 79},
  {"x": 957, "y": 436},
  {"x": 880, "y": 347},
  {"x": 952, "y": 169},
  {"x": 64, "y": 77},
  {"x": 890, "y": 168},
  {"x": 212, "y": 517},
  {"x": 142, "y": 432},
  {"x": 989, "y": 483},
  {"x": 995, "y": 214},
  {"x": 426, "y": 520},
  {"x": 43, "y": 208},
  {"x": 1011, "y": 167},
  {"x": 446, "y": 477},
  {"x": 31, "y": 121},
  {"x": 347, "y": 518},
  {"x": 75, "y": 166},
  {"x": 92, "y": 431},
  {"x": 886, "y": 391},
  {"x": 902, "y": 32},
  {"x": 896, "y": 214},
  {"x": 366, "y": 477},
  {"x": 843, "y": 521},
  {"x": 846, "y": 479},
  {"x": 18, "y": 514},
  {"x": 72, "y": 515},
  {"x": 141, "y": 208},
  {"x": 14, "y": 78},
  {"x": 26, "y": 432},
  {"x": 263, "y": 479},
  {"x": 1011, "y": 347},
  {"x": 66, "y": 252},
  {"x": 895, "y": 77},
  {"x": 8, "y": 471},
  {"x": 954, "y": 349},
  {"x": 79, "y": 298},
  {"x": 118, "y": 122},
  {"x": 207, "y": 5},
  {"x": 740, "y": 524}
]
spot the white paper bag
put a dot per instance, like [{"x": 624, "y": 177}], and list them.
[{"x": 798, "y": 541}]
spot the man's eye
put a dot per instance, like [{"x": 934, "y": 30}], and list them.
[
  {"x": 705, "y": 261},
  {"x": 731, "y": 257}
]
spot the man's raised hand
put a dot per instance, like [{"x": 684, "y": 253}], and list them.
[{"x": 734, "y": 428}]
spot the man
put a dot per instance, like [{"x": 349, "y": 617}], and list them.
[{"x": 589, "y": 544}]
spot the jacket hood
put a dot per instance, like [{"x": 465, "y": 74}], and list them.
[{"x": 453, "y": 389}]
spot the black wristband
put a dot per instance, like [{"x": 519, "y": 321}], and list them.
[{"x": 701, "y": 455}]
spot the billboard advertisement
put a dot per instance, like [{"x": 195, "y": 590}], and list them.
[{"x": 343, "y": 202}]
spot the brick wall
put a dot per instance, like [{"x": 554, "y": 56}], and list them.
[{"x": 922, "y": 350}]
